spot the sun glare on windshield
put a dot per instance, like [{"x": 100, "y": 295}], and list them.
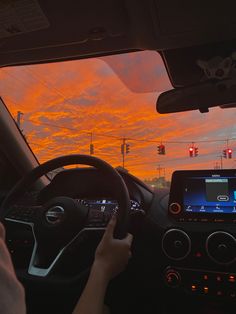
[{"x": 106, "y": 107}]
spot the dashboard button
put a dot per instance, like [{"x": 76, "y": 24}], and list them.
[
  {"x": 219, "y": 278},
  {"x": 232, "y": 294},
  {"x": 172, "y": 278},
  {"x": 232, "y": 278},
  {"x": 219, "y": 293},
  {"x": 194, "y": 288}
]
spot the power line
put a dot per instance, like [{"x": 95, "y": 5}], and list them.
[{"x": 131, "y": 138}]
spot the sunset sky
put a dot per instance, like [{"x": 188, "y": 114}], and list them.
[{"x": 63, "y": 103}]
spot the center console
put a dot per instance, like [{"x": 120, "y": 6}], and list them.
[{"x": 199, "y": 244}]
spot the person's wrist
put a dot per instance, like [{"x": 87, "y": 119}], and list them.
[{"x": 100, "y": 269}]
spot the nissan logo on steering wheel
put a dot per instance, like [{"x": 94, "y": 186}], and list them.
[{"x": 55, "y": 215}]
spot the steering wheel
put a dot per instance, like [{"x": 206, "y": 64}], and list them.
[{"x": 58, "y": 222}]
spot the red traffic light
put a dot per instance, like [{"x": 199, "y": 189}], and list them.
[
  {"x": 191, "y": 149},
  {"x": 227, "y": 153},
  {"x": 161, "y": 149}
]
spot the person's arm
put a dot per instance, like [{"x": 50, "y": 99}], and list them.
[
  {"x": 12, "y": 296},
  {"x": 111, "y": 258}
]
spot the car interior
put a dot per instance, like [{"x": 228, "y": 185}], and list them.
[{"x": 94, "y": 97}]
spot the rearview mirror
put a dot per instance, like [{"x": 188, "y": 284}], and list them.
[{"x": 198, "y": 97}]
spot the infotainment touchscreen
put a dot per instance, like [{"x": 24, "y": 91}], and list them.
[
  {"x": 203, "y": 193},
  {"x": 214, "y": 194}
]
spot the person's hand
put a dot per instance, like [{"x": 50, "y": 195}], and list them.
[
  {"x": 112, "y": 255},
  {"x": 2, "y": 232}
]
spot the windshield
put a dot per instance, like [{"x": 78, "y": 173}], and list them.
[{"x": 107, "y": 107}]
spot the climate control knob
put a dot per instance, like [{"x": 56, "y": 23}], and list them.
[
  {"x": 221, "y": 247},
  {"x": 176, "y": 244},
  {"x": 172, "y": 278}
]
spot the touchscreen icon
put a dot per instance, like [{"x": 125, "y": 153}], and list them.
[{"x": 222, "y": 198}]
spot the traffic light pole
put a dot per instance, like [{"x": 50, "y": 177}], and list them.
[
  {"x": 123, "y": 154},
  {"x": 159, "y": 171},
  {"x": 91, "y": 146},
  {"x": 221, "y": 162}
]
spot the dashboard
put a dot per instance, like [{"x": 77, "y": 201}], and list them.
[{"x": 188, "y": 234}]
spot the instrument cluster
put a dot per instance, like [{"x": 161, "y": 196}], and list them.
[{"x": 107, "y": 204}]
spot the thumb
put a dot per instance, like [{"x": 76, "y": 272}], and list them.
[
  {"x": 110, "y": 228},
  {"x": 129, "y": 239}
]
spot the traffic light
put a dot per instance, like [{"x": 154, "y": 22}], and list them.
[
  {"x": 191, "y": 149},
  {"x": 91, "y": 149},
  {"x": 225, "y": 153},
  {"x": 195, "y": 151},
  {"x": 161, "y": 149},
  {"x": 122, "y": 149},
  {"x": 229, "y": 153},
  {"x": 127, "y": 148}
]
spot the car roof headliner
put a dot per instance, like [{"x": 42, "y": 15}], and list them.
[{"x": 72, "y": 29}]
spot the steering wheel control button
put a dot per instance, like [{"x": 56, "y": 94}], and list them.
[
  {"x": 176, "y": 244},
  {"x": 221, "y": 247},
  {"x": 55, "y": 215},
  {"x": 175, "y": 208},
  {"x": 172, "y": 278},
  {"x": 23, "y": 213}
]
